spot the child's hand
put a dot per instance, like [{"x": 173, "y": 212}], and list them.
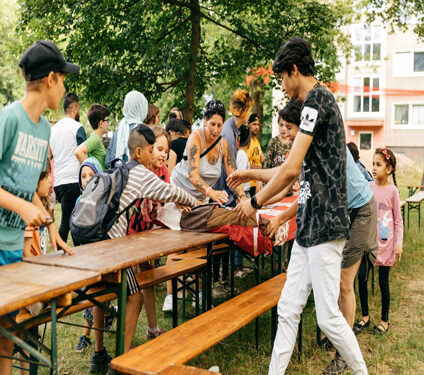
[
  {"x": 56, "y": 240},
  {"x": 31, "y": 214},
  {"x": 182, "y": 207},
  {"x": 274, "y": 224},
  {"x": 399, "y": 252}
]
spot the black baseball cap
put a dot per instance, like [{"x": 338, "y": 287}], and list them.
[{"x": 42, "y": 58}]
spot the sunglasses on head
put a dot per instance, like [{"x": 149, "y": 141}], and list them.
[{"x": 215, "y": 104}]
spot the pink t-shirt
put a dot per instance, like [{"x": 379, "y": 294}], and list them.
[
  {"x": 390, "y": 223},
  {"x": 144, "y": 212}
]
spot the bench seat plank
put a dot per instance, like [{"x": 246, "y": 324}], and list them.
[
  {"x": 194, "y": 337},
  {"x": 416, "y": 198},
  {"x": 186, "y": 370},
  {"x": 168, "y": 272}
]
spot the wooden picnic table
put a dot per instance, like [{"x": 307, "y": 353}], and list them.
[
  {"x": 111, "y": 257},
  {"x": 412, "y": 189},
  {"x": 23, "y": 284}
]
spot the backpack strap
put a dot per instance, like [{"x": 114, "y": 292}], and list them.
[{"x": 209, "y": 148}]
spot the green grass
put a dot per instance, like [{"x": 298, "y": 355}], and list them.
[{"x": 399, "y": 352}]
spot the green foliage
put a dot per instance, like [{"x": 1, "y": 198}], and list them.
[
  {"x": 145, "y": 45},
  {"x": 11, "y": 84},
  {"x": 396, "y": 13}
]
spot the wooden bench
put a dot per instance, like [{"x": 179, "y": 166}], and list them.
[
  {"x": 414, "y": 203},
  {"x": 186, "y": 370},
  {"x": 194, "y": 337},
  {"x": 145, "y": 279}
]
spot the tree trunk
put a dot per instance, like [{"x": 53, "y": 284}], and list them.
[
  {"x": 194, "y": 48},
  {"x": 257, "y": 92}
]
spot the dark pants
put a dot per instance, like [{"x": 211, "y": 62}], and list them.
[
  {"x": 383, "y": 277},
  {"x": 66, "y": 195}
]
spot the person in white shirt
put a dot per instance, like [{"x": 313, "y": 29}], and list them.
[{"x": 66, "y": 135}]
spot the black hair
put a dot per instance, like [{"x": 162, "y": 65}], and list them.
[
  {"x": 244, "y": 135},
  {"x": 353, "y": 150},
  {"x": 97, "y": 113},
  {"x": 253, "y": 117},
  {"x": 141, "y": 136},
  {"x": 214, "y": 107},
  {"x": 296, "y": 51},
  {"x": 291, "y": 112},
  {"x": 390, "y": 160},
  {"x": 173, "y": 113},
  {"x": 69, "y": 99},
  {"x": 178, "y": 126}
]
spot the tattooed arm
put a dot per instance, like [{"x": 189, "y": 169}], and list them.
[
  {"x": 230, "y": 166},
  {"x": 194, "y": 147}
]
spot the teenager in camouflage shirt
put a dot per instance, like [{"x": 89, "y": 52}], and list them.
[
  {"x": 278, "y": 147},
  {"x": 319, "y": 153}
]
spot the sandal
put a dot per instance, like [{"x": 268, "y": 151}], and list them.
[
  {"x": 380, "y": 329},
  {"x": 358, "y": 327}
]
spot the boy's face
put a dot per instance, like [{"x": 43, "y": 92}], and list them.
[
  {"x": 86, "y": 174},
  {"x": 55, "y": 89},
  {"x": 144, "y": 155},
  {"x": 290, "y": 84},
  {"x": 104, "y": 125},
  {"x": 291, "y": 129},
  {"x": 254, "y": 127}
]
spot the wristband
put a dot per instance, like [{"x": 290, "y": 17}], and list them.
[
  {"x": 206, "y": 192},
  {"x": 254, "y": 203}
]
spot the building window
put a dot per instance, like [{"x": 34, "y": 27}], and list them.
[
  {"x": 365, "y": 140},
  {"x": 367, "y": 42},
  {"x": 409, "y": 115},
  {"x": 408, "y": 63},
  {"x": 366, "y": 97}
]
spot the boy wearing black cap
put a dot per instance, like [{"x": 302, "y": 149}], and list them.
[{"x": 24, "y": 138}]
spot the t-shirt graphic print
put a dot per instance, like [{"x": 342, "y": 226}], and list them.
[
  {"x": 23, "y": 153},
  {"x": 322, "y": 215}
]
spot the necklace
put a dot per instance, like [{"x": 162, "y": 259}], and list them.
[{"x": 316, "y": 85}]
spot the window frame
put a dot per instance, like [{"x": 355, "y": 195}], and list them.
[
  {"x": 359, "y": 139},
  {"x": 408, "y": 126},
  {"x": 410, "y": 72},
  {"x": 370, "y": 42},
  {"x": 352, "y": 94}
]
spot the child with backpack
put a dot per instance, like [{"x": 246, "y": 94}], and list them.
[
  {"x": 88, "y": 169},
  {"x": 141, "y": 184}
]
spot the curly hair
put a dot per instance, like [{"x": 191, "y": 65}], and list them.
[
  {"x": 291, "y": 112},
  {"x": 390, "y": 160},
  {"x": 241, "y": 102},
  {"x": 296, "y": 51}
]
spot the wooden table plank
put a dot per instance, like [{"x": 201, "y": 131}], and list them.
[
  {"x": 22, "y": 284},
  {"x": 197, "y": 335},
  {"x": 119, "y": 253}
]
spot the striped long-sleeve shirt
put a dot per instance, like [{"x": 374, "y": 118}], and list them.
[{"x": 143, "y": 183}]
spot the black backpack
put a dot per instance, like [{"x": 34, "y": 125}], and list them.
[{"x": 97, "y": 209}]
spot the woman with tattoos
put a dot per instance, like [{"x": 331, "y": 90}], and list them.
[{"x": 205, "y": 153}]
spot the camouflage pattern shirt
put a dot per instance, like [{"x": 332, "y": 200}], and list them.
[
  {"x": 276, "y": 152},
  {"x": 322, "y": 215}
]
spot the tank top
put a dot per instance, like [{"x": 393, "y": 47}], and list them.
[{"x": 208, "y": 172}]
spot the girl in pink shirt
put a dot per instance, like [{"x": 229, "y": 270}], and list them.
[{"x": 390, "y": 231}]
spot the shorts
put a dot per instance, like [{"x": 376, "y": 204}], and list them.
[
  {"x": 363, "y": 240},
  {"x": 9, "y": 257},
  {"x": 132, "y": 283}
]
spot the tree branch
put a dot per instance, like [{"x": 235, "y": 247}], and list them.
[
  {"x": 176, "y": 2},
  {"x": 169, "y": 32},
  {"x": 172, "y": 83},
  {"x": 231, "y": 30}
]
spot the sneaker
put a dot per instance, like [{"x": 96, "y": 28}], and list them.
[
  {"x": 200, "y": 300},
  {"x": 167, "y": 304},
  {"x": 83, "y": 343},
  {"x": 152, "y": 333},
  {"x": 218, "y": 289},
  {"x": 337, "y": 366},
  {"x": 214, "y": 369},
  {"x": 248, "y": 270},
  {"x": 326, "y": 344},
  {"x": 240, "y": 274},
  {"x": 110, "y": 319},
  {"x": 110, "y": 372},
  {"x": 100, "y": 361}
]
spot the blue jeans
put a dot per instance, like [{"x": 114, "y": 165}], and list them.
[{"x": 9, "y": 257}]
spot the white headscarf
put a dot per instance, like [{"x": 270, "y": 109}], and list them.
[{"x": 135, "y": 111}]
